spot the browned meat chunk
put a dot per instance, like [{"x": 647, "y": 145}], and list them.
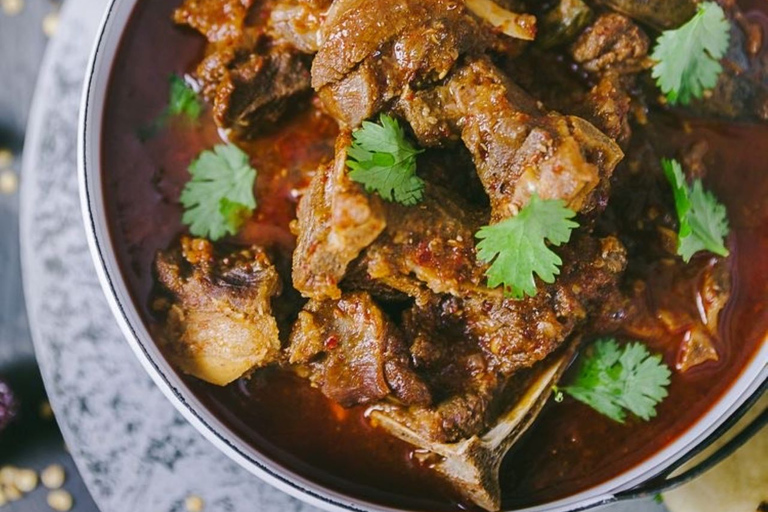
[
  {"x": 353, "y": 353},
  {"x": 607, "y": 106},
  {"x": 612, "y": 42},
  {"x": 467, "y": 350},
  {"x": 613, "y": 49},
  {"x": 250, "y": 78},
  {"x": 453, "y": 365},
  {"x": 336, "y": 220},
  {"x": 356, "y": 29},
  {"x": 518, "y": 148},
  {"x": 563, "y": 22},
  {"x": 678, "y": 304},
  {"x": 259, "y": 86},
  {"x": 218, "y": 20},
  {"x": 425, "y": 249},
  {"x": 517, "y": 334},
  {"x": 420, "y": 46},
  {"x": 218, "y": 323},
  {"x": 421, "y": 59}
]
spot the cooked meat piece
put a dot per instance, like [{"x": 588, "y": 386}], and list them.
[
  {"x": 517, "y": 334},
  {"x": 429, "y": 39},
  {"x": 427, "y": 248},
  {"x": 356, "y": 29},
  {"x": 714, "y": 290},
  {"x": 353, "y": 353},
  {"x": 298, "y": 22},
  {"x": 336, "y": 220},
  {"x": 218, "y": 20},
  {"x": 258, "y": 86},
  {"x": 562, "y": 23},
  {"x": 678, "y": 304},
  {"x": 218, "y": 315},
  {"x": 213, "y": 69},
  {"x": 464, "y": 386},
  {"x": 471, "y": 466},
  {"x": 518, "y": 148},
  {"x": 614, "y": 50},
  {"x": 607, "y": 106},
  {"x": 375, "y": 55},
  {"x": 467, "y": 349},
  {"x": 613, "y": 42},
  {"x": 660, "y": 14},
  {"x": 249, "y": 77}
]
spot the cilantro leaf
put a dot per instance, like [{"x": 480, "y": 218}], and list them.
[
  {"x": 703, "y": 220},
  {"x": 384, "y": 161},
  {"x": 688, "y": 58},
  {"x": 182, "y": 99},
  {"x": 219, "y": 196},
  {"x": 516, "y": 247},
  {"x": 613, "y": 380}
]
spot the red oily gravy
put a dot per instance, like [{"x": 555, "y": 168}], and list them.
[{"x": 569, "y": 449}]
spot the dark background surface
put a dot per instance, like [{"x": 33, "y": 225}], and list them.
[{"x": 32, "y": 441}]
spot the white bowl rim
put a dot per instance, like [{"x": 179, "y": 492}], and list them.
[{"x": 110, "y": 277}]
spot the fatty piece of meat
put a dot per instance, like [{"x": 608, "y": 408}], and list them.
[
  {"x": 518, "y": 148},
  {"x": 426, "y": 41},
  {"x": 354, "y": 353},
  {"x": 336, "y": 220},
  {"x": 298, "y": 22},
  {"x": 218, "y": 315},
  {"x": 427, "y": 248},
  {"x": 218, "y": 20},
  {"x": 470, "y": 351}
]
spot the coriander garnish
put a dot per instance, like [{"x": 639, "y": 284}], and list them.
[
  {"x": 517, "y": 247},
  {"x": 688, "y": 58},
  {"x": 614, "y": 380},
  {"x": 383, "y": 160},
  {"x": 219, "y": 196},
  {"x": 703, "y": 220}
]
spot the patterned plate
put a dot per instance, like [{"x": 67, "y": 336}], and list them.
[{"x": 133, "y": 449}]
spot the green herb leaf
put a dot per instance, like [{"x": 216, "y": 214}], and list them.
[
  {"x": 613, "y": 380},
  {"x": 384, "y": 161},
  {"x": 688, "y": 58},
  {"x": 182, "y": 99},
  {"x": 703, "y": 220},
  {"x": 517, "y": 248},
  {"x": 219, "y": 196}
]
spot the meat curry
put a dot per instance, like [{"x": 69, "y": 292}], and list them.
[{"x": 360, "y": 337}]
